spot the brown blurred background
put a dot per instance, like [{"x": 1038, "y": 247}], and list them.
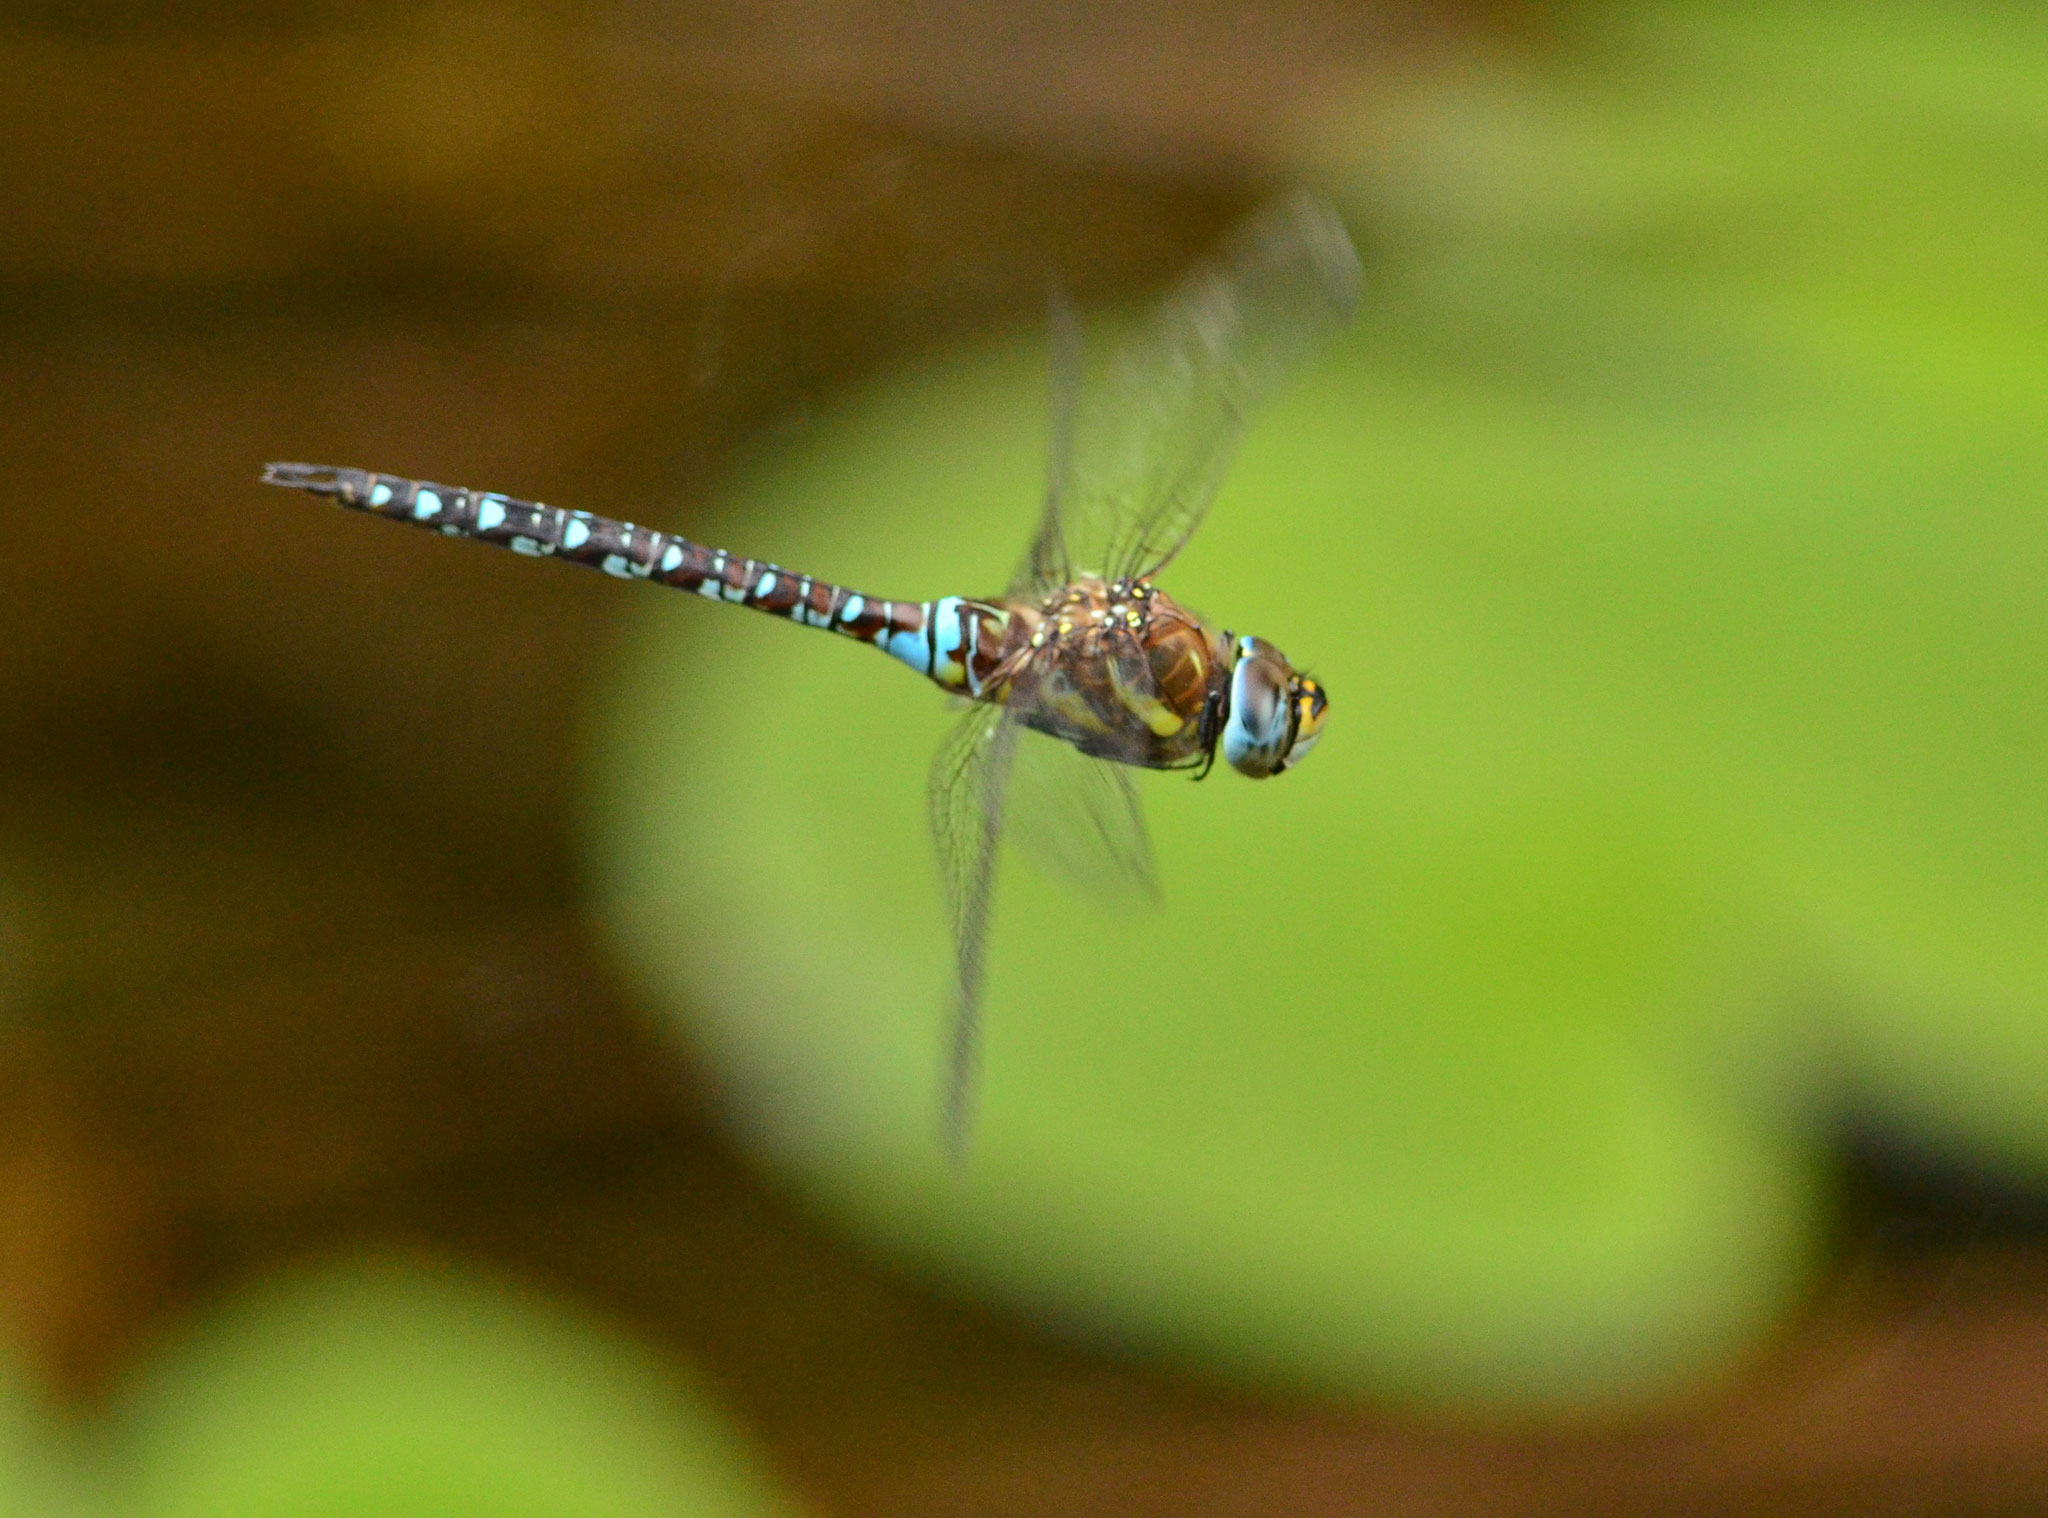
[{"x": 292, "y": 953}]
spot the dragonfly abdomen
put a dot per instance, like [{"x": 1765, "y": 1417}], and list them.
[{"x": 954, "y": 641}]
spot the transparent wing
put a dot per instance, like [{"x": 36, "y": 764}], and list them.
[
  {"x": 967, "y": 783},
  {"x": 1079, "y": 818},
  {"x": 1141, "y": 442},
  {"x": 1046, "y": 567}
]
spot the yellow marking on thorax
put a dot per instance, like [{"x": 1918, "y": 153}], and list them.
[{"x": 1147, "y": 708}]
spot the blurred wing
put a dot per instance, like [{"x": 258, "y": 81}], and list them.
[
  {"x": 967, "y": 782},
  {"x": 1079, "y": 818},
  {"x": 1140, "y": 446},
  {"x": 1046, "y": 567}
]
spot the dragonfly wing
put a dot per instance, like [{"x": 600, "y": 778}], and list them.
[
  {"x": 967, "y": 784},
  {"x": 1142, "y": 443},
  {"x": 1046, "y": 566},
  {"x": 1079, "y": 818}
]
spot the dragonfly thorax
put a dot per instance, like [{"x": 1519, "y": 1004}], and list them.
[{"x": 1119, "y": 669}]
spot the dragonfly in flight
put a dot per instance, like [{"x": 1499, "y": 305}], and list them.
[{"x": 1083, "y": 670}]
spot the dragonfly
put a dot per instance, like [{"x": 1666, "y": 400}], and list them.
[{"x": 1083, "y": 671}]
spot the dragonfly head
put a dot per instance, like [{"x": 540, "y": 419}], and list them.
[{"x": 1276, "y": 713}]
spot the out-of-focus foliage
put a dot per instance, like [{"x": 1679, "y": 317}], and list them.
[
  {"x": 1719, "y": 385},
  {"x": 395, "y": 1391},
  {"x": 1352, "y": 1108},
  {"x": 1669, "y": 535},
  {"x": 39, "y": 1471}
]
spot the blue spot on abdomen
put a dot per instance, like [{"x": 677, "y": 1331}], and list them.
[{"x": 911, "y": 648}]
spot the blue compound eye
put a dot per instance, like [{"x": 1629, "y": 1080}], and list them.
[
  {"x": 1276, "y": 715},
  {"x": 1256, "y": 736}
]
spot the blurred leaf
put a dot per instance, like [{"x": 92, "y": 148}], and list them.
[
  {"x": 392, "y": 1390},
  {"x": 1669, "y": 537}
]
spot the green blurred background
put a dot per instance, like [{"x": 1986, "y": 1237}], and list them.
[{"x": 456, "y": 1057}]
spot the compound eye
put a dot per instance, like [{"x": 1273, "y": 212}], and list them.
[
  {"x": 1255, "y": 737},
  {"x": 1261, "y": 695}
]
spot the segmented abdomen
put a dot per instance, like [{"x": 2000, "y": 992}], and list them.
[{"x": 953, "y": 640}]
